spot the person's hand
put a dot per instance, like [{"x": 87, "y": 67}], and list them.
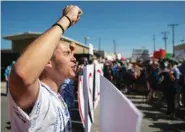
[{"x": 73, "y": 12}]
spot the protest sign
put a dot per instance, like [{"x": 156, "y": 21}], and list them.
[{"x": 117, "y": 112}]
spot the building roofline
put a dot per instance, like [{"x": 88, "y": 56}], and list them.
[
  {"x": 179, "y": 46},
  {"x": 36, "y": 34}
]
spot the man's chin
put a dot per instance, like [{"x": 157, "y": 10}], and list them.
[{"x": 72, "y": 76}]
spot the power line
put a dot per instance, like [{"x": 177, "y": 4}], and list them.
[{"x": 173, "y": 35}]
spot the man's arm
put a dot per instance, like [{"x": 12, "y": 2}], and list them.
[{"x": 23, "y": 79}]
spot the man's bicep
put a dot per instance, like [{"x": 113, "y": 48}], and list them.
[{"x": 23, "y": 95}]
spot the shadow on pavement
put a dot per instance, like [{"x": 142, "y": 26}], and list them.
[
  {"x": 155, "y": 111},
  {"x": 3, "y": 94},
  {"x": 166, "y": 127},
  {"x": 138, "y": 102},
  {"x": 156, "y": 116}
]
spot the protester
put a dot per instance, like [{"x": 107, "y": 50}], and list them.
[
  {"x": 177, "y": 85},
  {"x": 67, "y": 92},
  {"x": 35, "y": 104},
  {"x": 108, "y": 72},
  {"x": 7, "y": 74},
  {"x": 82, "y": 62},
  {"x": 169, "y": 89}
]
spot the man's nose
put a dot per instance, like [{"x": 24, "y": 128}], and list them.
[{"x": 73, "y": 59}]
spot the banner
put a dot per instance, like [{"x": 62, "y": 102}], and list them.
[
  {"x": 88, "y": 76},
  {"x": 81, "y": 99},
  {"x": 117, "y": 113},
  {"x": 88, "y": 85},
  {"x": 98, "y": 72}
]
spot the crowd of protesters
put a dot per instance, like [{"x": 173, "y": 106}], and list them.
[
  {"x": 153, "y": 76},
  {"x": 163, "y": 76}
]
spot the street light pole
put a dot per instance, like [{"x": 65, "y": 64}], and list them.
[
  {"x": 85, "y": 41},
  {"x": 173, "y": 35}
]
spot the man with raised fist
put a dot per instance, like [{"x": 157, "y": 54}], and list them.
[{"x": 35, "y": 104}]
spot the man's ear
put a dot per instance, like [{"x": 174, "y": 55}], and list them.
[{"x": 49, "y": 64}]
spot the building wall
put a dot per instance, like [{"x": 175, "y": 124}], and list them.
[
  {"x": 81, "y": 50},
  {"x": 180, "y": 51},
  {"x": 19, "y": 45},
  {"x": 179, "y": 47}
]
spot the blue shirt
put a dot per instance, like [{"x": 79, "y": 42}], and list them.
[
  {"x": 177, "y": 73},
  {"x": 7, "y": 71},
  {"x": 67, "y": 92},
  {"x": 182, "y": 69},
  {"x": 114, "y": 69}
]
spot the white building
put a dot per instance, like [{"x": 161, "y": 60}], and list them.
[{"x": 180, "y": 51}]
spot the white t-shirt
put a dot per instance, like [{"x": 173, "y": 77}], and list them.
[{"x": 49, "y": 114}]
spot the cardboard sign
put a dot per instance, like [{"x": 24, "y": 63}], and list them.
[
  {"x": 98, "y": 72},
  {"x": 117, "y": 112},
  {"x": 81, "y": 99}
]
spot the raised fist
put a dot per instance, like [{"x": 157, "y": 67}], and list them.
[{"x": 73, "y": 12}]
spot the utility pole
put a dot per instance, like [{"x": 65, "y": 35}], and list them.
[
  {"x": 173, "y": 35},
  {"x": 99, "y": 43},
  {"x": 114, "y": 44},
  {"x": 85, "y": 41},
  {"x": 165, "y": 39},
  {"x": 154, "y": 42}
]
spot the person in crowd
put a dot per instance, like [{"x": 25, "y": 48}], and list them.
[
  {"x": 67, "y": 91},
  {"x": 35, "y": 104},
  {"x": 118, "y": 76},
  {"x": 182, "y": 81},
  {"x": 177, "y": 85},
  {"x": 123, "y": 78},
  {"x": 108, "y": 71},
  {"x": 114, "y": 70},
  {"x": 82, "y": 62},
  {"x": 153, "y": 79},
  {"x": 7, "y": 74},
  {"x": 167, "y": 84}
]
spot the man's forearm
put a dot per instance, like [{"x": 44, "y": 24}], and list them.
[{"x": 38, "y": 53}]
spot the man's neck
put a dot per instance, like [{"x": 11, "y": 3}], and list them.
[{"x": 53, "y": 85}]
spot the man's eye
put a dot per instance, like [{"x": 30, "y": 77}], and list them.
[{"x": 66, "y": 53}]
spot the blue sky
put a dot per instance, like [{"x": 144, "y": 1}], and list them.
[{"x": 131, "y": 24}]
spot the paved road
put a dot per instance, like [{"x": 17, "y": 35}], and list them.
[{"x": 154, "y": 120}]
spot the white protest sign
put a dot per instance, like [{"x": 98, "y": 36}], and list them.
[
  {"x": 81, "y": 99},
  {"x": 117, "y": 112},
  {"x": 88, "y": 76},
  {"x": 98, "y": 73},
  {"x": 88, "y": 84},
  {"x": 91, "y": 49}
]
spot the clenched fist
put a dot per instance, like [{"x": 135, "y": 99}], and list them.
[{"x": 73, "y": 12}]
